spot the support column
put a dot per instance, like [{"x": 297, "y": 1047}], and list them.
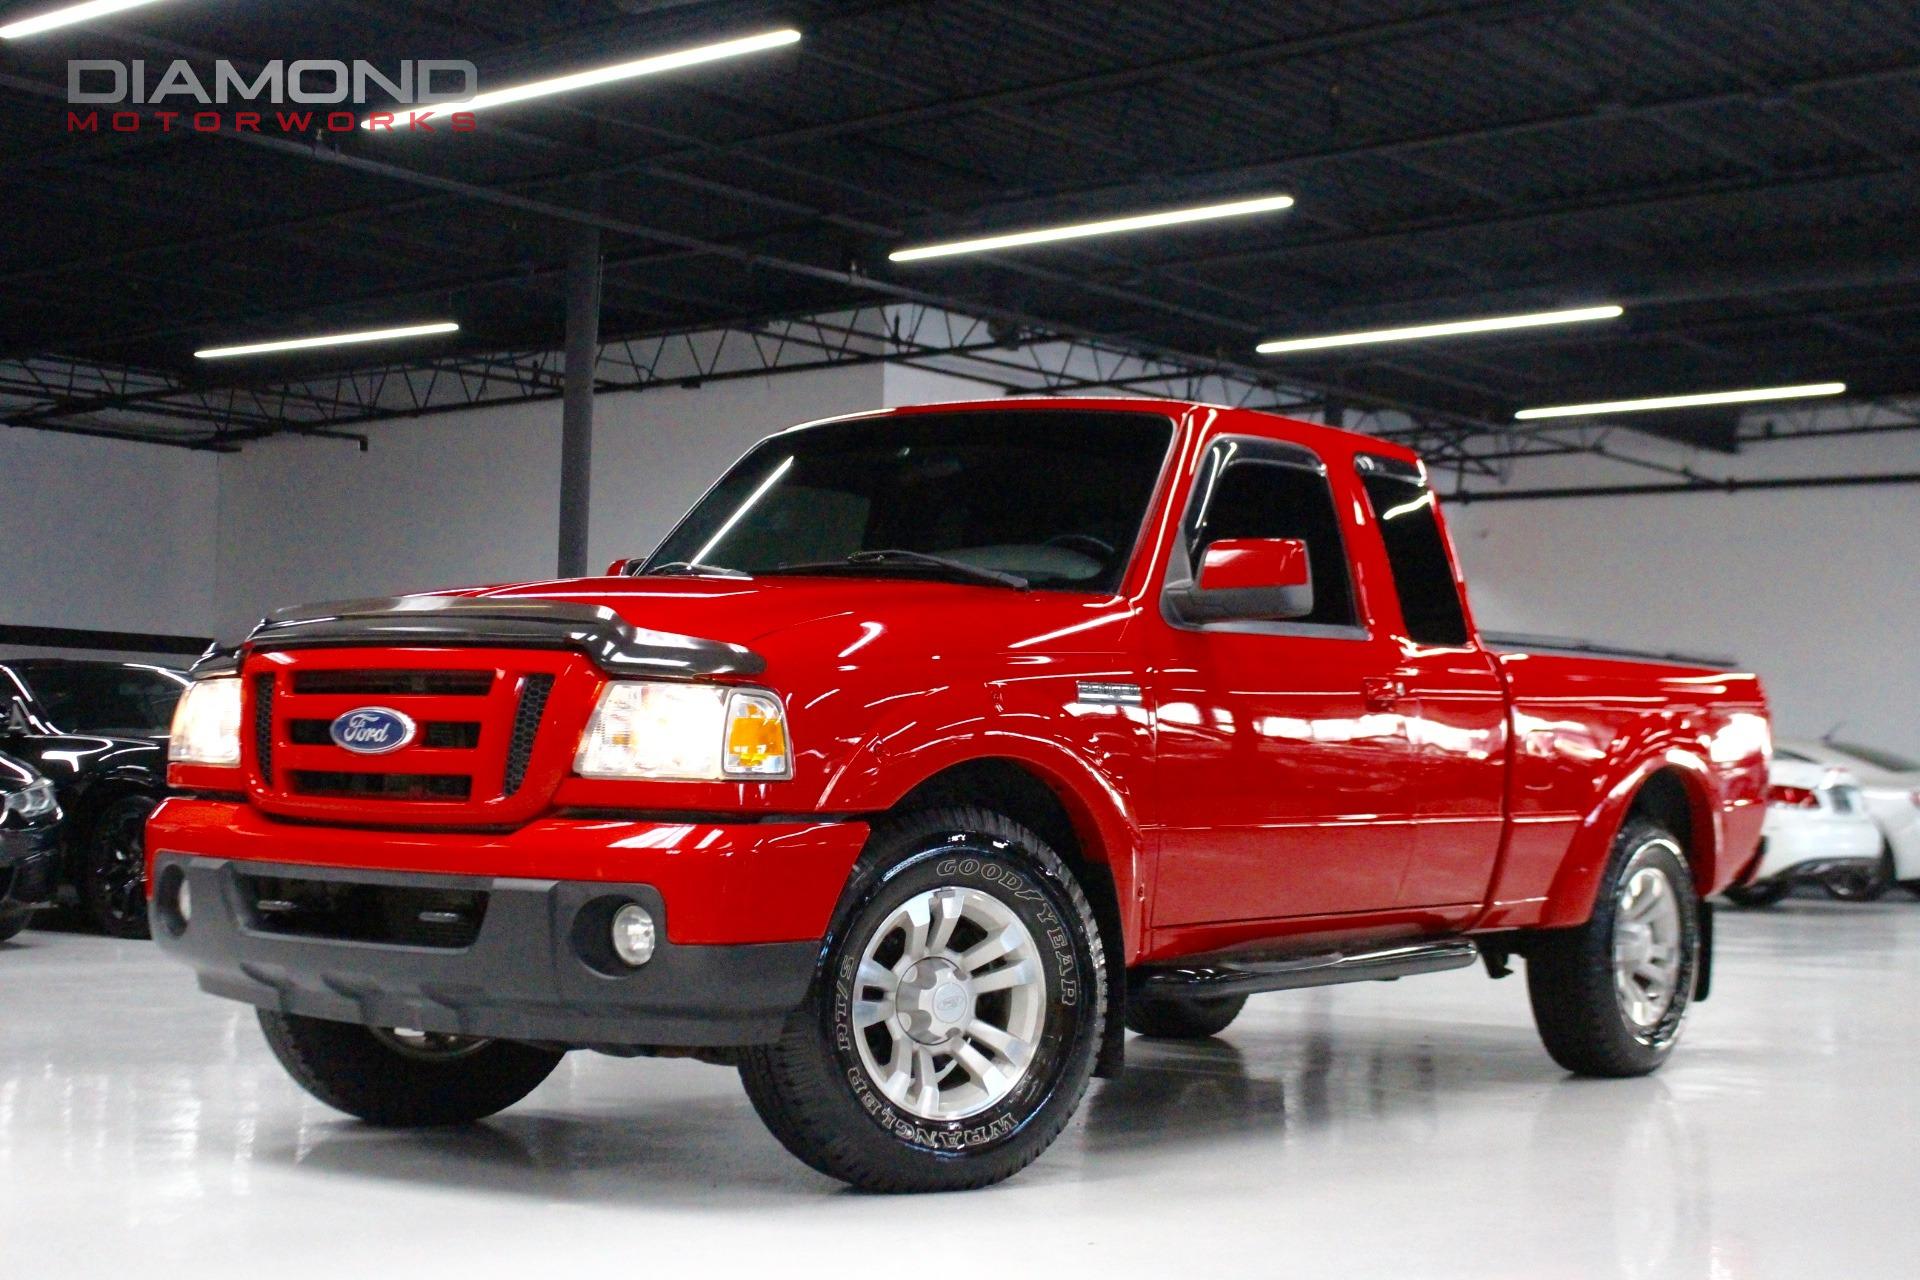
[{"x": 576, "y": 414}]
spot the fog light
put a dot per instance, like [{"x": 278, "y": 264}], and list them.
[
  {"x": 183, "y": 901},
  {"x": 633, "y": 935}
]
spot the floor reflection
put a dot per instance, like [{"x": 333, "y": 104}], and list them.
[{"x": 1406, "y": 1129}]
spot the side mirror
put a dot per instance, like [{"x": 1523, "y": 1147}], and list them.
[
  {"x": 16, "y": 722},
  {"x": 618, "y": 569},
  {"x": 1258, "y": 579}
]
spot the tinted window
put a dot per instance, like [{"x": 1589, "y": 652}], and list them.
[
  {"x": 1252, "y": 489},
  {"x": 104, "y": 698},
  {"x": 1422, "y": 575},
  {"x": 1055, "y": 496}
]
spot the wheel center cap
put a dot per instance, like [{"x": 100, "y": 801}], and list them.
[{"x": 933, "y": 1001}]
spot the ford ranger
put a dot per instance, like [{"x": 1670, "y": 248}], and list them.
[{"x": 931, "y": 751}]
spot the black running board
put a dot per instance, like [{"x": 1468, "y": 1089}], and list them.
[{"x": 1230, "y": 975}]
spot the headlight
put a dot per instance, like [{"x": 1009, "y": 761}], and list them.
[
  {"x": 647, "y": 729},
  {"x": 206, "y": 724},
  {"x": 35, "y": 800}
]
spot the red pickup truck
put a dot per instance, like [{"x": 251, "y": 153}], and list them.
[{"x": 931, "y": 751}]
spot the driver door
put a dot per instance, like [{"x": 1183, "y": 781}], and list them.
[{"x": 1282, "y": 750}]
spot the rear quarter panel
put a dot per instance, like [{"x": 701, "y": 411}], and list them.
[{"x": 1588, "y": 732}]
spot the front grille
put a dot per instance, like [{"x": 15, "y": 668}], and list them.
[
  {"x": 381, "y": 786},
  {"x": 397, "y": 916},
  {"x": 449, "y": 735},
  {"x": 263, "y": 726},
  {"x": 477, "y": 755},
  {"x": 440, "y": 684},
  {"x": 526, "y": 725}
]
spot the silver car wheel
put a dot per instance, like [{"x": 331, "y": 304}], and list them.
[
  {"x": 1647, "y": 952},
  {"x": 949, "y": 1003}
]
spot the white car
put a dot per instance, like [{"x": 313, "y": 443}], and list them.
[
  {"x": 1817, "y": 829},
  {"x": 1890, "y": 784}
]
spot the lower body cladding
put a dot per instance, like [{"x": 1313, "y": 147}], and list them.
[{"x": 503, "y": 955}]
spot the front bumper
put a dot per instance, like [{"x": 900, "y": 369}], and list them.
[
  {"x": 740, "y": 910},
  {"x": 26, "y": 865}
]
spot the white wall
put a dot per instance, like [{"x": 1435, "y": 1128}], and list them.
[
  {"x": 1816, "y": 589},
  {"x": 436, "y": 501},
  {"x": 105, "y": 535}
]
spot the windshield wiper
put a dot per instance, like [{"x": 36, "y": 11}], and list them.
[
  {"x": 897, "y": 557},
  {"x": 692, "y": 569}
]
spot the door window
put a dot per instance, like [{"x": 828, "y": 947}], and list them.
[{"x": 1267, "y": 489}]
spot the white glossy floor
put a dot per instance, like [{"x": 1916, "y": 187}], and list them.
[{"x": 1412, "y": 1130}]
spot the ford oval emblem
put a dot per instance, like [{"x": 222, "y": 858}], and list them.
[{"x": 372, "y": 731}]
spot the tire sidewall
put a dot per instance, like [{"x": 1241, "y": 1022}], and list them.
[{"x": 1062, "y": 1060}]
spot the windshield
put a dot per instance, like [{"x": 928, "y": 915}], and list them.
[
  {"x": 1878, "y": 757},
  {"x": 105, "y": 697},
  {"x": 1055, "y": 497}
]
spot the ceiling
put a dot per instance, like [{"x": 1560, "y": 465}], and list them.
[{"x": 1742, "y": 178}]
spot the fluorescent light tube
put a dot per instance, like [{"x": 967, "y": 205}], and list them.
[
  {"x": 652, "y": 65},
  {"x": 1685, "y": 402},
  {"x": 67, "y": 17},
  {"x": 1444, "y": 329},
  {"x": 328, "y": 340},
  {"x": 1105, "y": 227}
]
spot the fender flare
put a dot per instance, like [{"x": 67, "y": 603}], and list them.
[
  {"x": 1570, "y": 901},
  {"x": 1103, "y": 816}
]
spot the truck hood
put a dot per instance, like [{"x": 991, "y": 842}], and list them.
[{"x": 789, "y": 615}]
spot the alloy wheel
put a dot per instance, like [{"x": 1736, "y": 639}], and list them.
[
  {"x": 1647, "y": 959},
  {"x": 950, "y": 1002}
]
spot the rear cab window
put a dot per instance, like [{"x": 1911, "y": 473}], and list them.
[{"x": 1403, "y": 507}]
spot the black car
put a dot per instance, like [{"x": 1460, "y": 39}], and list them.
[
  {"x": 29, "y": 841},
  {"x": 98, "y": 730}
]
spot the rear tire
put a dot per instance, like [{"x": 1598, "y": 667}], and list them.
[
  {"x": 113, "y": 870},
  {"x": 1864, "y": 886},
  {"x": 404, "y": 1079},
  {"x": 1610, "y": 995},
  {"x": 1754, "y": 897},
  {"x": 1183, "y": 1018},
  {"x": 925, "y": 1057},
  {"x": 12, "y": 922}
]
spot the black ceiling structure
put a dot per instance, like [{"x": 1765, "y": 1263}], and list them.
[{"x": 1744, "y": 178}]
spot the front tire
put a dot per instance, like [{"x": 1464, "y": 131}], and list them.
[
  {"x": 12, "y": 921},
  {"x": 952, "y": 1026},
  {"x": 113, "y": 871},
  {"x": 1183, "y": 1018},
  {"x": 1610, "y": 995},
  {"x": 404, "y": 1079}
]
